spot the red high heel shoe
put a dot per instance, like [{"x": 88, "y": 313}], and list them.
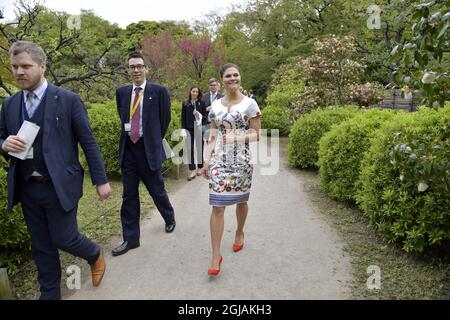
[
  {"x": 238, "y": 247},
  {"x": 215, "y": 272}
]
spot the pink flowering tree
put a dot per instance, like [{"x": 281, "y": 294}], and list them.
[
  {"x": 180, "y": 63},
  {"x": 366, "y": 94},
  {"x": 160, "y": 52},
  {"x": 195, "y": 53},
  {"x": 329, "y": 74}
]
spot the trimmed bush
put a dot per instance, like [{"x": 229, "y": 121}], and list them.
[
  {"x": 404, "y": 184},
  {"x": 105, "y": 124},
  {"x": 307, "y": 131},
  {"x": 341, "y": 151},
  {"x": 275, "y": 117},
  {"x": 175, "y": 123},
  {"x": 15, "y": 242}
]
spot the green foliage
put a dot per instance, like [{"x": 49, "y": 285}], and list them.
[
  {"x": 423, "y": 59},
  {"x": 105, "y": 124},
  {"x": 404, "y": 184},
  {"x": 286, "y": 82},
  {"x": 307, "y": 131},
  {"x": 175, "y": 123},
  {"x": 276, "y": 117},
  {"x": 342, "y": 149},
  {"x": 131, "y": 37},
  {"x": 14, "y": 238}
]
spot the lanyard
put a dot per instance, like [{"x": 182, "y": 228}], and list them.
[{"x": 134, "y": 108}]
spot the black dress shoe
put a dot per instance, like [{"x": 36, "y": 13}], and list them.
[
  {"x": 124, "y": 247},
  {"x": 170, "y": 227}
]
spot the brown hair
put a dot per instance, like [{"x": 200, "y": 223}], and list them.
[
  {"x": 136, "y": 54},
  {"x": 227, "y": 66},
  {"x": 199, "y": 94}
]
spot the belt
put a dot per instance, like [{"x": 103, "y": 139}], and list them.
[{"x": 40, "y": 179}]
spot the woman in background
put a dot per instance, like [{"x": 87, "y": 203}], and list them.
[{"x": 192, "y": 110}]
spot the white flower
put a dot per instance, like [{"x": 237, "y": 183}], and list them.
[
  {"x": 429, "y": 77},
  {"x": 402, "y": 177},
  {"x": 422, "y": 186}
]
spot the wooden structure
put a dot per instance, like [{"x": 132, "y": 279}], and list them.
[{"x": 393, "y": 100}]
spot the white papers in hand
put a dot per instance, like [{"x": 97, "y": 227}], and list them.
[{"x": 28, "y": 131}]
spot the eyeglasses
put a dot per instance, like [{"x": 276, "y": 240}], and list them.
[{"x": 137, "y": 67}]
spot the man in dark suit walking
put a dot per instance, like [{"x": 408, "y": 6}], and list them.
[
  {"x": 212, "y": 95},
  {"x": 48, "y": 183},
  {"x": 208, "y": 98},
  {"x": 144, "y": 111}
]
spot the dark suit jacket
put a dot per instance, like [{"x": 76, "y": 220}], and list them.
[
  {"x": 187, "y": 118},
  {"x": 207, "y": 98},
  {"x": 65, "y": 124},
  {"x": 155, "y": 121}
]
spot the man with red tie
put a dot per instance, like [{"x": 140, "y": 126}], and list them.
[{"x": 144, "y": 111}]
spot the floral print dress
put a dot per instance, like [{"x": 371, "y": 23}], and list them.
[{"x": 231, "y": 170}]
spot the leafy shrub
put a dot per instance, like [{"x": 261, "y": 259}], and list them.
[
  {"x": 175, "y": 123},
  {"x": 276, "y": 118},
  {"x": 404, "y": 184},
  {"x": 422, "y": 58},
  {"x": 307, "y": 131},
  {"x": 341, "y": 151},
  {"x": 105, "y": 124},
  {"x": 283, "y": 96},
  {"x": 14, "y": 237}
]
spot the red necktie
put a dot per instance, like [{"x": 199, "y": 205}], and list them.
[{"x": 134, "y": 134}]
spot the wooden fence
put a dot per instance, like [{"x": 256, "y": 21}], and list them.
[{"x": 393, "y": 100}]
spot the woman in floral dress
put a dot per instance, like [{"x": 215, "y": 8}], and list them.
[{"x": 235, "y": 122}]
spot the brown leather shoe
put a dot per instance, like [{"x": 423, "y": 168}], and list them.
[{"x": 98, "y": 269}]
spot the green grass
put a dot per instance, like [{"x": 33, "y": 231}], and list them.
[
  {"x": 98, "y": 220},
  {"x": 403, "y": 275}
]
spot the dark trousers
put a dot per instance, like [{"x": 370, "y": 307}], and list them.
[
  {"x": 134, "y": 169},
  {"x": 51, "y": 228},
  {"x": 197, "y": 140}
]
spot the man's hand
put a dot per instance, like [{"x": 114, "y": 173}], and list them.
[
  {"x": 104, "y": 191},
  {"x": 14, "y": 144}
]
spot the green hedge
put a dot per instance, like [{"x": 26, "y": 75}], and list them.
[
  {"x": 105, "y": 124},
  {"x": 307, "y": 131},
  {"x": 175, "y": 123},
  {"x": 341, "y": 151},
  {"x": 404, "y": 185},
  {"x": 275, "y": 117},
  {"x": 15, "y": 243}
]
